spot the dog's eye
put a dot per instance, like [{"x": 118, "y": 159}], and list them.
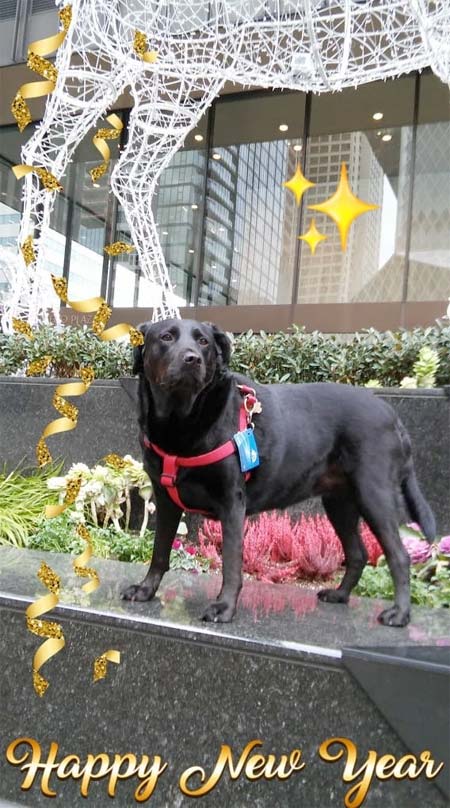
[
  {"x": 202, "y": 341},
  {"x": 167, "y": 337}
]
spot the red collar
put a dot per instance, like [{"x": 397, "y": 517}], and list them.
[{"x": 171, "y": 463}]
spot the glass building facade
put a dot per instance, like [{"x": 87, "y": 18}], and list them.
[{"x": 229, "y": 229}]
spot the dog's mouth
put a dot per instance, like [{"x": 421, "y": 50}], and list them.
[{"x": 190, "y": 378}]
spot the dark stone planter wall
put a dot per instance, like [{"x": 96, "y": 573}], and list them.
[{"x": 107, "y": 423}]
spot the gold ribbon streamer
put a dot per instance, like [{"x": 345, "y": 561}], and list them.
[
  {"x": 99, "y": 141},
  {"x": 21, "y": 327},
  {"x": 48, "y": 179},
  {"x": 36, "y": 53},
  {"x": 101, "y": 317},
  {"x": 140, "y": 46},
  {"x": 118, "y": 247},
  {"x": 43, "y": 628},
  {"x": 115, "y": 461},
  {"x": 38, "y": 366},
  {"x": 80, "y": 562},
  {"x": 64, "y": 424},
  {"x": 27, "y": 251},
  {"x": 101, "y": 663}
]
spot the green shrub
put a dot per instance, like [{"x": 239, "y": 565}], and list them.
[
  {"x": 314, "y": 357},
  {"x": 70, "y": 349},
  {"x": 296, "y": 356}
]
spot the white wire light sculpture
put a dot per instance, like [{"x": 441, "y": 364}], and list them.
[{"x": 188, "y": 51}]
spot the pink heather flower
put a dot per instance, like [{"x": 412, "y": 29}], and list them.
[
  {"x": 418, "y": 550},
  {"x": 191, "y": 550},
  {"x": 444, "y": 545},
  {"x": 177, "y": 545},
  {"x": 414, "y": 526}
]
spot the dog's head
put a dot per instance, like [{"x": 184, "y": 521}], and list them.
[{"x": 179, "y": 359}]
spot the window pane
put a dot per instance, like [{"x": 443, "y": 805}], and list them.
[
  {"x": 251, "y": 219},
  {"x": 90, "y": 206},
  {"x": 377, "y": 153},
  {"x": 429, "y": 268}
]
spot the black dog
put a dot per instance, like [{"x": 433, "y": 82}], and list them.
[{"x": 330, "y": 440}]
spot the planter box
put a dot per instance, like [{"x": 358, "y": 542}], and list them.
[
  {"x": 289, "y": 670},
  {"x": 107, "y": 423}
]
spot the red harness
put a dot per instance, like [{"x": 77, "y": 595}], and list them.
[{"x": 171, "y": 463}]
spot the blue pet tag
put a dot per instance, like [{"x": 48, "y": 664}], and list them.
[{"x": 247, "y": 448}]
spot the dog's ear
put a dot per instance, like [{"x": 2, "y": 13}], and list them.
[
  {"x": 138, "y": 362},
  {"x": 223, "y": 343}
]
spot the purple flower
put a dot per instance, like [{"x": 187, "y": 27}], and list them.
[
  {"x": 444, "y": 545},
  {"x": 177, "y": 545},
  {"x": 418, "y": 550},
  {"x": 191, "y": 550}
]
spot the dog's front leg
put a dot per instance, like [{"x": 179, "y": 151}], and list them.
[
  {"x": 223, "y": 609},
  {"x": 168, "y": 517}
]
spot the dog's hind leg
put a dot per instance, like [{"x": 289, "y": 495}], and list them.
[
  {"x": 168, "y": 517},
  {"x": 344, "y": 516},
  {"x": 376, "y": 502}
]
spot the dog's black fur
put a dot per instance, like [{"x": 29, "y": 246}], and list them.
[{"x": 330, "y": 440}]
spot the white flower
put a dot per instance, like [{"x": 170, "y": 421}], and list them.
[
  {"x": 57, "y": 483},
  {"x": 101, "y": 473},
  {"x": 78, "y": 468}
]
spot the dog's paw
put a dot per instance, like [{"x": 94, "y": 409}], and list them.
[
  {"x": 332, "y": 596},
  {"x": 219, "y": 612},
  {"x": 395, "y": 616},
  {"x": 138, "y": 592}
]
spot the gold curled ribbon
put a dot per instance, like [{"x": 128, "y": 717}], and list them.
[
  {"x": 38, "y": 366},
  {"x": 43, "y": 628},
  {"x": 115, "y": 461},
  {"x": 99, "y": 141},
  {"x": 118, "y": 247},
  {"x": 27, "y": 251},
  {"x": 21, "y": 327},
  {"x": 72, "y": 491},
  {"x": 101, "y": 663},
  {"x": 64, "y": 424},
  {"x": 36, "y": 61},
  {"x": 101, "y": 316},
  {"x": 48, "y": 179},
  {"x": 140, "y": 46},
  {"x": 80, "y": 562}
]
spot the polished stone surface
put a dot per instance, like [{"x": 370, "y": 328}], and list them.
[
  {"x": 285, "y": 619},
  {"x": 184, "y": 688}
]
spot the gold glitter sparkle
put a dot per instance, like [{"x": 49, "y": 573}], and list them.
[
  {"x": 21, "y": 327},
  {"x": 38, "y": 366},
  {"x": 118, "y": 247},
  {"x": 27, "y": 250},
  {"x": 115, "y": 461},
  {"x": 101, "y": 317},
  {"x": 65, "y": 407},
  {"x": 60, "y": 287},
  {"x": 101, "y": 663}
]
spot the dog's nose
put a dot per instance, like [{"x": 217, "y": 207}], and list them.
[{"x": 192, "y": 358}]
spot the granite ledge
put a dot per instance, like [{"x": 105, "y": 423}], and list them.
[{"x": 278, "y": 620}]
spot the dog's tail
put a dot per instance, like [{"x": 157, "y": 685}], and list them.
[
  {"x": 416, "y": 503},
  {"x": 418, "y": 507}
]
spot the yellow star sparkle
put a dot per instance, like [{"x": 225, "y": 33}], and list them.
[
  {"x": 298, "y": 184},
  {"x": 343, "y": 206},
  {"x": 312, "y": 237}
]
